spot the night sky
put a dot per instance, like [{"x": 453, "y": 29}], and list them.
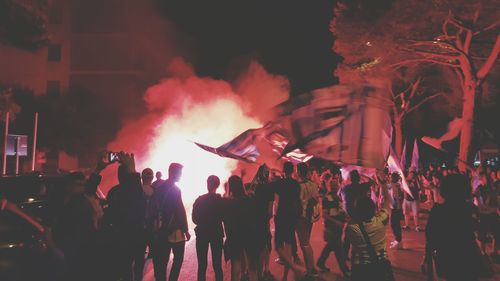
[{"x": 290, "y": 38}]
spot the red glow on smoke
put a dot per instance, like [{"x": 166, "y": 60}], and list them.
[{"x": 186, "y": 108}]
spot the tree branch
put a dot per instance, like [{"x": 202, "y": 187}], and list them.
[
  {"x": 422, "y": 102},
  {"x": 423, "y": 60},
  {"x": 468, "y": 41},
  {"x": 491, "y": 26},
  {"x": 414, "y": 89},
  {"x": 452, "y": 56},
  {"x": 485, "y": 69},
  {"x": 460, "y": 75},
  {"x": 434, "y": 43}
]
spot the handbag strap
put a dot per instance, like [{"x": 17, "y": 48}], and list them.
[{"x": 371, "y": 249}]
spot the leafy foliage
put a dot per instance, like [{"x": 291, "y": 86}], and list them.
[
  {"x": 76, "y": 122},
  {"x": 23, "y": 24}
]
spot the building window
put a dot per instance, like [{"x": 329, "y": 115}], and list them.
[
  {"x": 54, "y": 52},
  {"x": 53, "y": 88},
  {"x": 55, "y": 14}
]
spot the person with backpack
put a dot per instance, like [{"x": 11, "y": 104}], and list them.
[
  {"x": 170, "y": 225},
  {"x": 309, "y": 196},
  {"x": 367, "y": 233}
]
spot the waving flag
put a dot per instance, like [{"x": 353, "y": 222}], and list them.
[
  {"x": 278, "y": 140},
  {"x": 342, "y": 123},
  {"x": 243, "y": 147},
  {"x": 454, "y": 128}
]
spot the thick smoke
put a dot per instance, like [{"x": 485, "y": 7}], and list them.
[{"x": 185, "y": 108}]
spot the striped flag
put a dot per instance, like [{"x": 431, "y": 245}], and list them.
[
  {"x": 278, "y": 140},
  {"x": 342, "y": 123},
  {"x": 243, "y": 147}
]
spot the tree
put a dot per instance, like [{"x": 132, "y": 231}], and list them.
[
  {"x": 7, "y": 104},
  {"x": 377, "y": 38},
  {"x": 23, "y": 24},
  {"x": 453, "y": 49}
]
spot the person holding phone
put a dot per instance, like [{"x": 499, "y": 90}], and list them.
[
  {"x": 170, "y": 227},
  {"x": 125, "y": 216}
]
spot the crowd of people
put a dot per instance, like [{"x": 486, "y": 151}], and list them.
[{"x": 146, "y": 218}]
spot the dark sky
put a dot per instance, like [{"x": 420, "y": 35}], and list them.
[{"x": 291, "y": 38}]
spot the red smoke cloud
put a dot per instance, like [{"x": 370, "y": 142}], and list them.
[{"x": 186, "y": 108}]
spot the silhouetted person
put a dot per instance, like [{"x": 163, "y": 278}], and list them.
[
  {"x": 450, "y": 233},
  {"x": 263, "y": 199},
  {"x": 158, "y": 180},
  {"x": 76, "y": 231},
  {"x": 171, "y": 228},
  {"x": 126, "y": 216},
  {"x": 396, "y": 197},
  {"x": 207, "y": 215},
  {"x": 239, "y": 225},
  {"x": 366, "y": 232},
  {"x": 146, "y": 233},
  {"x": 309, "y": 197},
  {"x": 354, "y": 191},
  {"x": 411, "y": 203},
  {"x": 334, "y": 217},
  {"x": 287, "y": 214}
]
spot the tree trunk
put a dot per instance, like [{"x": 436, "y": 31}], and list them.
[
  {"x": 398, "y": 131},
  {"x": 467, "y": 128}
]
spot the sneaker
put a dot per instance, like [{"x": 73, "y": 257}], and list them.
[
  {"x": 245, "y": 277},
  {"x": 396, "y": 245},
  {"x": 423, "y": 267},
  {"x": 297, "y": 261},
  {"x": 405, "y": 227},
  {"x": 314, "y": 273},
  {"x": 267, "y": 276},
  {"x": 279, "y": 261},
  {"x": 417, "y": 229},
  {"x": 322, "y": 267}
]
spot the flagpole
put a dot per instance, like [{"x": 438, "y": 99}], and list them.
[
  {"x": 5, "y": 138},
  {"x": 35, "y": 131}
]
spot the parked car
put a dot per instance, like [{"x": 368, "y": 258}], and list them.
[{"x": 24, "y": 254}]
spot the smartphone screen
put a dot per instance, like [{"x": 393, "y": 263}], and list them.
[{"x": 113, "y": 157}]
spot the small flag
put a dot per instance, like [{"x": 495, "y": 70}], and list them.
[
  {"x": 403, "y": 157},
  {"x": 393, "y": 164},
  {"x": 454, "y": 128},
  {"x": 414, "y": 157}
]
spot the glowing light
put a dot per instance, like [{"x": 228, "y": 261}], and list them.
[{"x": 212, "y": 123}]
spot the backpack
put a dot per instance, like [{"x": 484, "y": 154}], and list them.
[{"x": 163, "y": 225}]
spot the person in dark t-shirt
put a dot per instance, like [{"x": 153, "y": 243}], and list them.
[
  {"x": 207, "y": 215},
  {"x": 288, "y": 211}
]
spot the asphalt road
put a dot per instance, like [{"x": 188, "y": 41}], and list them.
[{"x": 406, "y": 262}]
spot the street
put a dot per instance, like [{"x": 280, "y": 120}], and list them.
[{"x": 406, "y": 262}]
